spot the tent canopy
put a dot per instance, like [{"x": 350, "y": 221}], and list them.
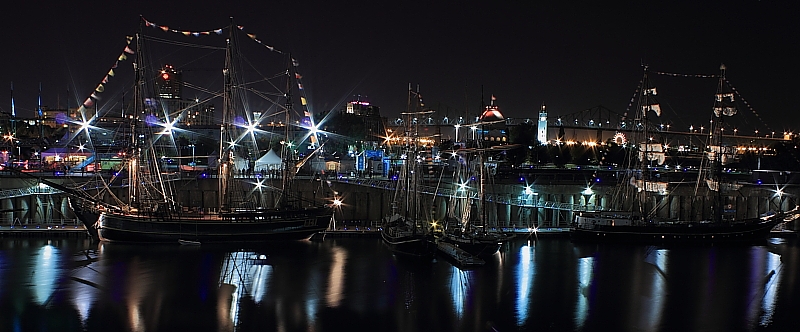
[{"x": 269, "y": 161}]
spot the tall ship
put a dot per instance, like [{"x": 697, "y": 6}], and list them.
[
  {"x": 250, "y": 204},
  {"x": 407, "y": 231},
  {"x": 467, "y": 223},
  {"x": 633, "y": 218}
]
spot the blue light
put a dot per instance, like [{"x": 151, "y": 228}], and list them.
[
  {"x": 759, "y": 182},
  {"x": 597, "y": 180}
]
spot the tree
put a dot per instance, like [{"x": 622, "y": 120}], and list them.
[
  {"x": 523, "y": 135},
  {"x": 560, "y": 155}
]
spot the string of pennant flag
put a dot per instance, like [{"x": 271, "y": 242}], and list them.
[
  {"x": 686, "y": 75},
  {"x": 295, "y": 63},
  {"x": 208, "y": 32},
  {"x": 95, "y": 96},
  {"x": 633, "y": 98},
  {"x": 747, "y": 104},
  {"x": 183, "y": 32}
]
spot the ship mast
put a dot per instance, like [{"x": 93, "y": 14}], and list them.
[
  {"x": 138, "y": 108},
  {"x": 288, "y": 162},
  {"x": 226, "y": 145},
  {"x": 723, "y": 106},
  {"x": 647, "y": 103}
]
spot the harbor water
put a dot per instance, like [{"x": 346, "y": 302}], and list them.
[{"x": 356, "y": 284}]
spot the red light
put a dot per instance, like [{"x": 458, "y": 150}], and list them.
[{"x": 165, "y": 76}]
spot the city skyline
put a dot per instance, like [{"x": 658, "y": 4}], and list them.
[{"x": 570, "y": 57}]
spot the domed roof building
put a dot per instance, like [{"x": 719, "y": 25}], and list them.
[{"x": 492, "y": 125}]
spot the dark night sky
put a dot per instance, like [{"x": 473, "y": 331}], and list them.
[{"x": 570, "y": 55}]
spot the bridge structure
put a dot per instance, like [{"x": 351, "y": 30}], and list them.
[{"x": 600, "y": 123}]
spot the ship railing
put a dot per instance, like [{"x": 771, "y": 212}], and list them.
[
  {"x": 33, "y": 190},
  {"x": 47, "y": 224},
  {"x": 459, "y": 194}
]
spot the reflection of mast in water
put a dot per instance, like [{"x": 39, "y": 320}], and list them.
[
  {"x": 234, "y": 279},
  {"x": 336, "y": 278}
]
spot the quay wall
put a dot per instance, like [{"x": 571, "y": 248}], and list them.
[{"x": 368, "y": 204}]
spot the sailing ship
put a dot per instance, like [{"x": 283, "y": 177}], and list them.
[
  {"x": 467, "y": 225},
  {"x": 633, "y": 219},
  {"x": 153, "y": 213},
  {"x": 406, "y": 231}
]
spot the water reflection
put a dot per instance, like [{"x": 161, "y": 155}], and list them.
[
  {"x": 548, "y": 284},
  {"x": 336, "y": 277},
  {"x": 524, "y": 274},
  {"x": 652, "y": 298},
  {"x": 585, "y": 272},
  {"x": 45, "y": 272},
  {"x": 460, "y": 289}
]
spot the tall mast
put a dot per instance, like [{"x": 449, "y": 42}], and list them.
[
  {"x": 13, "y": 113},
  {"x": 723, "y": 106},
  {"x": 138, "y": 109},
  {"x": 288, "y": 162},
  {"x": 647, "y": 103},
  {"x": 226, "y": 153}
]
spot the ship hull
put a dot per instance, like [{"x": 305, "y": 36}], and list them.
[
  {"x": 257, "y": 226},
  {"x": 87, "y": 216},
  {"x": 740, "y": 232},
  {"x": 418, "y": 245},
  {"x": 476, "y": 246}
]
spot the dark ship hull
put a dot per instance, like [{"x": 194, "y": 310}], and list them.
[
  {"x": 87, "y": 215},
  {"x": 249, "y": 226},
  {"x": 679, "y": 232},
  {"x": 409, "y": 245},
  {"x": 482, "y": 246}
]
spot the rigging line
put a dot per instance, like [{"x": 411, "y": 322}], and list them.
[
  {"x": 633, "y": 98},
  {"x": 245, "y": 59},
  {"x": 261, "y": 93},
  {"x": 215, "y": 94},
  {"x": 747, "y": 104},
  {"x": 177, "y": 43},
  {"x": 268, "y": 79},
  {"x": 265, "y": 97}
]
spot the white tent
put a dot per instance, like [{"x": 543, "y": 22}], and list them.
[{"x": 269, "y": 161}]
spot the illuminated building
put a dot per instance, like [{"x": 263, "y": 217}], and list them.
[{"x": 542, "y": 128}]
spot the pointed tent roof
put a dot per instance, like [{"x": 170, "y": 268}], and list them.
[{"x": 269, "y": 159}]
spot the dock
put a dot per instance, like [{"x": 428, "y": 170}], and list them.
[
  {"x": 461, "y": 257},
  {"x": 45, "y": 231}
]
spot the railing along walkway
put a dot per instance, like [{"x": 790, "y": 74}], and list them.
[{"x": 460, "y": 194}]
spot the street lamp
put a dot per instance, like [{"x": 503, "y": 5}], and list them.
[
  {"x": 458, "y": 125},
  {"x": 587, "y": 194}
]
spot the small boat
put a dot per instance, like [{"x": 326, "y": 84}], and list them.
[
  {"x": 468, "y": 226},
  {"x": 188, "y": 242},
  {"x": 460, "y": 256},
  {"x": 406, "y": 231}
]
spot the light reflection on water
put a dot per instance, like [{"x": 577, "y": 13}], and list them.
[
  {"x": 585, "y": 270},
  {"x": 45, "y": 272},
  {"x": 358, "y": 284},
  {"x": 525, "y": 273}
]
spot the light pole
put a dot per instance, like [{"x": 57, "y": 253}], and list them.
[{"x": 192, "y": 163}]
